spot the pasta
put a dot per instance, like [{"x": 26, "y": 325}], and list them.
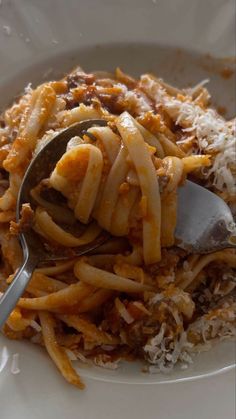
[{"x": 138, "y": 295}]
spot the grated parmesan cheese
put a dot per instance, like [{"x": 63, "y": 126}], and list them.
[
  {"x": 28, "y": 89},
  {"x": 213, "y": 134},
  {"x": 138, "y": 102},
  {"x": 104, "y": 361},
  {"x": 15, "y": 364},
  {"x": 35, "y": 326},
  {"x": 71, "y": 355},
  {"x": 126, "y": 316},
  {"x": 81, "y": 357},
  {"x": 163, "y": 353}
]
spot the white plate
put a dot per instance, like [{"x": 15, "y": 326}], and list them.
[{"x": 40, "y": 40}]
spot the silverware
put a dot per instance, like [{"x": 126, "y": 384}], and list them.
[
  {"x": 204, "y": 221},
  {"x": 33, "y": 249}
]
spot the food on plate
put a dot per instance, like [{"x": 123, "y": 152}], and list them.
[{"x": 138, "y": 296}]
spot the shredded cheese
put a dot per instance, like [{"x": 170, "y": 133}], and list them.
[
  {"x": 15, "y": 364},
  {"x": 213, "y": 134}
]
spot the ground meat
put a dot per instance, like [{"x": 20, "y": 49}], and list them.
[
  {"x": 26, "y": 221},
  {"x": 170, "y": 259},
  {"x": 74, "y": 80}
]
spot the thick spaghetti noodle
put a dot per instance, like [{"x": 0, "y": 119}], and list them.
[{"x": 138, "y": 296}]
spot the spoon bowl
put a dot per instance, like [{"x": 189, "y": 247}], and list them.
[{"x": 40, "y": 168}]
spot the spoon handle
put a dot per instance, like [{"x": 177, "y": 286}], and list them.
[{"x": 9, "y": 299}]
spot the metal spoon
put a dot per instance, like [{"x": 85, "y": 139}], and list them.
[
  {"x": 33, "y": 249},
  {"x": 203, "y": 219}
]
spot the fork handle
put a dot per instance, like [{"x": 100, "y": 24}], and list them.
[{"x": 9, "y": 299}]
